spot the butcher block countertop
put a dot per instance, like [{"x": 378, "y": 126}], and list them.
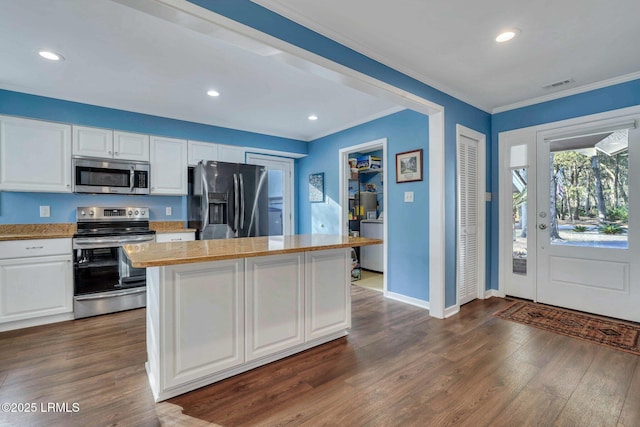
[
  {"x": 162, "y": 254},
  {"x": 36, "y": 231}
]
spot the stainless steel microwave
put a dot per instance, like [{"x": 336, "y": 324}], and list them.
[{"x": 110, "y": 176}]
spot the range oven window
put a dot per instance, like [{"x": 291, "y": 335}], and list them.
[
  {"x": 96, "y": 270},
  {"x": 105, "y": 269}
]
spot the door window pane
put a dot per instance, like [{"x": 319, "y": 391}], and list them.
[
  {"x": 519, "y": 223},
  {"x": 589, "y": 190},
  {"x": 276, "y": 200}
]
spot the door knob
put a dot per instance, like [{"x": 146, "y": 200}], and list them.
[{"x": 542, "y": 226}]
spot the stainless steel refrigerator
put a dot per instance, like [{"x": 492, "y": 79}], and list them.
[{"x": 228, "y": 200}]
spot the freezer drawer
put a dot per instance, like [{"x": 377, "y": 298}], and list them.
[{"x": 371, "y": 256}]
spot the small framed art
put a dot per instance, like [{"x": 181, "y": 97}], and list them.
[
  {"x": 316, "y": 187},
  {"x": 409, "y": 166}
]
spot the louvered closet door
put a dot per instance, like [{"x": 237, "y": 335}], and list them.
[{"x": 468, "y": 250}]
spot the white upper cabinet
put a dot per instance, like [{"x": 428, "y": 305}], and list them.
[
  {"x": 231, "y": 154},
  {"x": 202, "y": 151},
  {"x": 92, "y": 142},
  {"x": 169, "y": 166},
  {"x": 109, "y": 144},
  {"x": 130, "y": 146},
  {"x": 34, "y": 155},
  {"x": 210, "y": 151}
]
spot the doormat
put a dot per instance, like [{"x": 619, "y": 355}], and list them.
[{"x": 611, "y": 333}]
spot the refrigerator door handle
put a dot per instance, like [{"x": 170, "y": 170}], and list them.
[
  {"x": 236, "y": 207},
  {"x": 205, "y": 205},
  {"x": 242, "y": 213}
]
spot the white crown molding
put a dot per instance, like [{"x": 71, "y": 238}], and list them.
[
  {"x": 367, "y": 119},
  {"x": 280, "y": 9},
  {"x": 573, "y": 91}
]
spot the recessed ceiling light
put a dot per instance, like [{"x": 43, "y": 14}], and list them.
[
  {"x": 507, "y": 35},
  {"x": 313, "y": 117},
  {"x": 213, "y": 93},
  {"x": 51, "y": 56}
]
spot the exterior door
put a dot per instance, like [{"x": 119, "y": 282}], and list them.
[
  {"x": 280, "y": 182},
  {"x": 588, "y": 246}
]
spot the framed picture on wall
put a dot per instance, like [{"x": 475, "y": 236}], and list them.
[
  {"x": 409, "y": 166},
  {"x": 316, "y": 187}
]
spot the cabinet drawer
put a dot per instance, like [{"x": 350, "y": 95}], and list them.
[{"x": 35, "y": 247}]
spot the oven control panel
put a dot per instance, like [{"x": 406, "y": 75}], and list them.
[{"x": 102, "y": 213}]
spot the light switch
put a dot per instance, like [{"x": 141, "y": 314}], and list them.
[
  {"x": 167, "y": 211},
  {"x": 487, "y": 196},
  {"x": 408, "y": 196},
  {"x": 45, "y": 211}
]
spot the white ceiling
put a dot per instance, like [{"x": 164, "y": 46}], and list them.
[
  {"x": 449, "y": 44},
  {"x": 163, "y": 62},
  {"x": 137, "y": 55}
]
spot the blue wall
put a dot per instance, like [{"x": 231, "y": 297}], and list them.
[
  {"x": 408, "y": 223},
  {"x": 597, "y": 101},
  {"x": 23, "y": 208},
  {"x": 456, "y": 111}
]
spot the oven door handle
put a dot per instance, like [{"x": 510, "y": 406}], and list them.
[
  {"x": 97, "y": 243},
  {"x": 111, "y": 294}
]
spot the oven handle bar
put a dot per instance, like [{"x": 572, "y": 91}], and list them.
[
  {"x": 111, "y": 294},
  {"x": 98, "y": 243}
]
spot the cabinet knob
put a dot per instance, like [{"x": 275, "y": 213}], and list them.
[{"x": 116, "y": 153}]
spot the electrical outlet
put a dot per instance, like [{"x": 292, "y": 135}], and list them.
[
  {"x": 45, "y": 211},
  {"x": 167, "y": 210},
  {"x": 408, "y": 196}
]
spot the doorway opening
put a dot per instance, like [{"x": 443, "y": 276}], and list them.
[{"x": 363, "y": 206}]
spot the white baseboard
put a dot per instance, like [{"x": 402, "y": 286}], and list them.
[
  {"x": 451, "y": 311},
  {"x": 408, "y": 300},
  {"x": 491, "y": 293},
  {"x": 36, "y": 321}
]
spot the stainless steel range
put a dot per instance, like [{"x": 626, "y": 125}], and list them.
[{"x": 104, "y": 280}]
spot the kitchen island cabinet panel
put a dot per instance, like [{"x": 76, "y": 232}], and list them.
[
  {"x": 275, "y": 304},
  {"x": 328, "y": 295},
  {"x": 202, "y": 315}
]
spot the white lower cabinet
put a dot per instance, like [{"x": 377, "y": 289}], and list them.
[
  {"x": 202, "y": 315},
  {"x": 36, "y": 285},
  {"x": 274, "y": 304},
  {"x": 327, "y": 292}
]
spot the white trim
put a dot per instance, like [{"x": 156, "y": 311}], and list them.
[
  {"x": 568, "y": 92},
  {"x": 344, "y": 196},
  {"x": 329, "y": 69},
  {"x": 451, "y": 311},
  {"x": 490, "y": 293},
  {"x": 367, "y": 119},
  {"x": 437, "y": 252},
  {"x": 408, "y": 300},
  {"x": 286, "y": 165},
  {"x": 481, "y": 140},
  {"x": 277, "y": 153},
  {"x": 551, "y": 128}
]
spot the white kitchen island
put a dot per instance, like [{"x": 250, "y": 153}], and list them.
[{"x": 216, "y": 308}]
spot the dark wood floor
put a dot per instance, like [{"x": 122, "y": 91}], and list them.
[{"x": 398, "y": 367}]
